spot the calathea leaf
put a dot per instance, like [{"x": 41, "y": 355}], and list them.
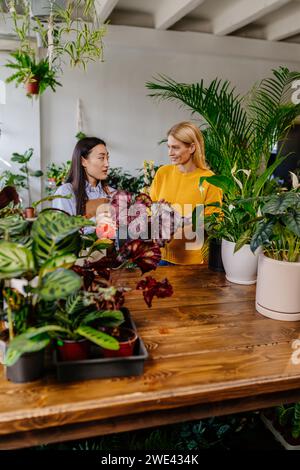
[
  {"x": 109, "y": 317},
  {"x": 53, "y": 233},
  {"x": 15, "y": 260},
  {"x": 59, "y": 284},
  {"x": 98, "y": 337},
  {"x": 63, "y": 261}
]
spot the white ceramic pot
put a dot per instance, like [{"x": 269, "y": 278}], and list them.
[
  {"x": 278, "y": 289},
  {"x": 240, "y": 267}
]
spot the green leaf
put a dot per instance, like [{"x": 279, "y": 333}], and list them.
[
  {"x": 53, "y": 234},
  {"x": 15, "y": 260},
  {"x": 223, "y": 182},
  {"x": 262, "y": 234},
  {"x": 37, "y": 173},
  {"x": 21, "y": 345},
  {"x": 244, "y": 238},
  {"x": 110, "y": 317},
  {"x": 279, "y": 203},
  {"x": 63, "y": 261},
  {"x": 98, "y": 337},
  {"x": 292, "y": 222},
  {"x": 59, "y": 284},
  {"x": 13, "y": 225}
]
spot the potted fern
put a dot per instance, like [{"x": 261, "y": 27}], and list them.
[{"x": 36, "y": 75}]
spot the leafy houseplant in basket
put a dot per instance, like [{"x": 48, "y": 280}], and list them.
[
  {"x": 239, "y": 134},
  {"x": 278, "y": 280}
]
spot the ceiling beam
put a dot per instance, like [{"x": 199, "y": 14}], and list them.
[
  {"x": 104, "y": 8},
  {"x": 287, "y": 26},
  {"x": 243, "y": 12},
  {"x": 171, "y": 11}
]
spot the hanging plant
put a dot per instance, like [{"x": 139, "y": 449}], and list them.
[{"x": 37, "y": 76}]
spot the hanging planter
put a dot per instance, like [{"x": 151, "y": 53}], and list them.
[{"x": 32, "y": 86}]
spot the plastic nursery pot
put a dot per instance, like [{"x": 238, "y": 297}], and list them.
[
  {"x": 29, "y": 367},
  {"x": 29, "y": 212},
  {"x": 215, "y": 258},
  {"x": 127, "y": 339},
  {"x": 73, "y": 350},
  {"x": 32, "y": 87}
]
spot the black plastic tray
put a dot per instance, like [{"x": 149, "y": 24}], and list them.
[{"x": 68, "y": 371}]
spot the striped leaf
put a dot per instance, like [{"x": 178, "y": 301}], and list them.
[
  {"x": 15, "y": 260},
  {"x": 59, "y": 284},
  {"x": 98, "y": 337},
  {"x": 54, "y": 234}
]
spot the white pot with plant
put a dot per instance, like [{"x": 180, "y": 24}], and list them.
[
  {"x": 234, "y": 224},
  {"x": 278, "y": 279}
]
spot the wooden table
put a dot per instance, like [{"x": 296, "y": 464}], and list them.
[{"x": 210, "y": 354}]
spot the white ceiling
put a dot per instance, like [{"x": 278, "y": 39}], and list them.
[{"x": 276, "y": 20}]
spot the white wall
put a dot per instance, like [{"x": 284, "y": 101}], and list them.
[
  {"x": 20, "y": 128},
  {"x": 115, "y": 103},
  {"x": 114, "y": 97}
]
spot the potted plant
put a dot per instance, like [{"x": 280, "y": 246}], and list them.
[
  {"x": 22, "y": 181},
  {"x": 278, "y": 279},
  {"x": 56, "y": 175},
  {"x": 240, "y": 133},
  {"x": 284, "y": 423},
  {"x": 40, "y": 265},
  {"x": 35, "y": 74}
]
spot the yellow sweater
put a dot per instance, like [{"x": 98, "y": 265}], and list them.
[{"x": 182, "y": 189}]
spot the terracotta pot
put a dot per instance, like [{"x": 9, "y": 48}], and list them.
[
  {"x": 127, "y": 339},
  {"x": 74, "y": 350},
  {"x": 32, "y": 87},
  {"x": 278, "y": 289},
  {"x": 29, "y": 212}
]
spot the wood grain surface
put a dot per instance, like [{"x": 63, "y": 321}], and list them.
[{"x": 210, "y": 353}]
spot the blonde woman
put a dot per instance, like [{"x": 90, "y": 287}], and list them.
[{"x": 178, "y": 184}]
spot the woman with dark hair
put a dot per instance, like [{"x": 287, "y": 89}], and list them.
[{"x": 86, "y": 180}]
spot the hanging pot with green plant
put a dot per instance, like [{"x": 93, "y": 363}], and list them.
[{"x": 36, "y": 75}]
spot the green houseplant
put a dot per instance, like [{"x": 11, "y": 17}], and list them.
[
  {"x": 22, "y": 180},
  {"x": 35, "y": 74},
  {"x": 240, "y": 133},
  {"x": 278, "y": 233},
  {"x": 40, "y": 271},
  {"x": 73, "y": 32}
]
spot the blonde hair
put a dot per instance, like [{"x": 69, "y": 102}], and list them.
[{"x": 188, "y": 133}]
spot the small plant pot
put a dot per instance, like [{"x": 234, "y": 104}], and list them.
[
  {"x": 29, "y": 212},
  {"x": 29, "y": 367},
  {"x": 127, "y": 339},
  {"x": 215, "y": 262},
  {"x": 241, "y": 266},
  {"x": 74, "y": 350},
  {"x": 32, "y": 87}
]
